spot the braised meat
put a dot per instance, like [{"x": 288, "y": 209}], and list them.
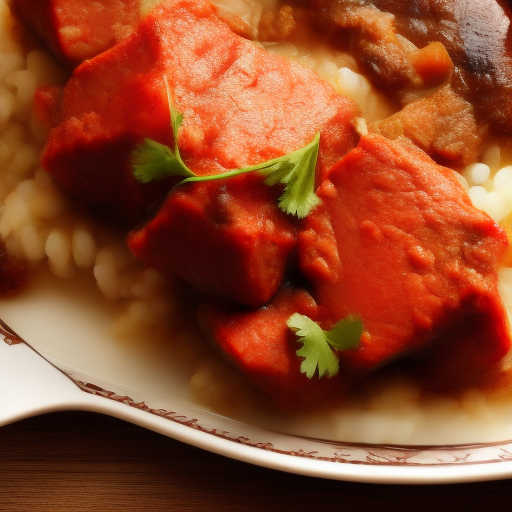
[
  {"x": 75, "y": 31},
  {"x": 475, "y": 34},
  {"x": 226, "y": 238},
  {"x": 397, "y": 242},
  {"x": 241, "y": 106},
  {"x": 409, "y": 50},
  {"x": 442, "y": 124},
  {"x": 260, "y": 345}
]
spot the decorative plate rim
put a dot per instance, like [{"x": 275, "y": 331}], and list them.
[
  {"x": 346, "y": 452},
  {"x": 368, "y": 463}
]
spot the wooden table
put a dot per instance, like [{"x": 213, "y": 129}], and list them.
[{"x": 76, "y": 461}]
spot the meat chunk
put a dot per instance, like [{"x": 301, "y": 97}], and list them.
[
  {"x": 241, "y": 106},
  {"x": 263, "y": 348},
  {"x": 383, "y": 35},
  {"x": 226, "y": 238},
  {"x": 408, "y": 50},
  {"x": 390, "y": 61},
  {"x": 481, "y": 56},
  {"x": 442, "y": 124},
  {"x": 397, "y": 242},
  {"x": 75, "y": 31},
  {"x": 91, "y": 160}
]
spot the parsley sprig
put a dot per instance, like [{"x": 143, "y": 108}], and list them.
[
  {"x": 296, "y": 171},
  {"x": 318, "y": 344}
]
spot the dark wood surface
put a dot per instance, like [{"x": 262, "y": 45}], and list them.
[{"x": 74, "y": 461}]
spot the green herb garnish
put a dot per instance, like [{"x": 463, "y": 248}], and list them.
[
  {"x": 318, "y": 345},
  {"x": 296, "y": 171},
  {"x": 154, "y": 161}
]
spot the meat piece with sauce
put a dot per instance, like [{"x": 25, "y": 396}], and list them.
[
  {"x": 225, "y": 237},
  {"x": 397, "y": 242},
  {"x": 74, "y": 30},
  {"x": 442, "y": 124},
  {"x": 241, "y": 106},
  {"x": 475, "y": 33},
  {"x": 262, "y": 347}
]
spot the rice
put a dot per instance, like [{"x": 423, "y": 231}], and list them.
[{"x": 40, "y": 223}]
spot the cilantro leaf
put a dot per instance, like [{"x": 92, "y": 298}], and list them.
[
  {"x": 154, "y": 161},
  {"x": 315, "y": 349},
  {"x": 318, "y": 343},
  {"x": 345, "y": 334},
  {"x": 296, "y": 171}
]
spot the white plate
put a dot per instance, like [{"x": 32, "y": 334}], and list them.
[{"x": 130, "y": 383}]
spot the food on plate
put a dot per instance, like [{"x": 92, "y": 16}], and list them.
[
  {"x": 396, "y": 241},
  {"x": 227, "y": 239},
  {"x": 262, "y": 346},
  {"x": 393, "y": 243},
  {"x": 323, "y": 240},
  {"x": 76, "y": 31},
  {"x": 411, "y": 48},
  {"x": 443, "y": 124},
  {"x": 238, "y": 101}
]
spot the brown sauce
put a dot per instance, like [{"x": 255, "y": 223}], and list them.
[{"x": 13, "y": 272}]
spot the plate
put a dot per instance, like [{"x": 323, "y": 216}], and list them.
[
  {"x": 55, "y": 355},
  {"x": 53, "y": 360}
]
